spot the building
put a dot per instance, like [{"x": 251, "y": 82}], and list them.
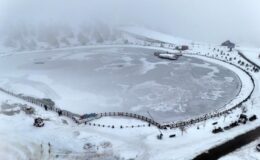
[
  {"x": 182, "y": 48},
  {"x": 228, "y": 44}
]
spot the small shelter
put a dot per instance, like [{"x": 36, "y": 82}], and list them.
[
  {"x": 228, "y": 44},
  {"x": 182, "y": 47}
]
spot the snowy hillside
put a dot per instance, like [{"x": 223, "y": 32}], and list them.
[
  {"x": 154, "y": 35},
  {"x": 252, "y": 53},
  {"x": 63, "y": 36},
  {"x": 60, "y": 36}
]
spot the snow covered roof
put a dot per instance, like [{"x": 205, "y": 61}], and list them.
[{"x": 228, "y": 43}]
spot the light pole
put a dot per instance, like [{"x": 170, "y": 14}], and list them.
[{"x": 160, "y": 135}]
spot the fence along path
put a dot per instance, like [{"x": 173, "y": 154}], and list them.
[
  {"x": 217, "y": 113},
  {"x": 253, "y": 63},
  {"x": 41, "y": 103},
  {"x": 76, "y": 117},
  {"x": 131, "y": 115}
]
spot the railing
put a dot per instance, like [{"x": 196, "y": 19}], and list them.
[
  {"x": 75, "y": 117},
  {"x": 253, "y": 63},
  {"x": 132, "y": 115},
  {"x": 38, "y": 102}
]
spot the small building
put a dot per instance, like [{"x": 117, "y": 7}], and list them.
[
  {"x": 228, "y": 44},
  {"x": 182, "y": 47}
]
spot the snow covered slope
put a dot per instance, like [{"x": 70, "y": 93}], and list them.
[
  {"x": 60, "y": 36},
  {"x": 47, "y": 37},
  {"x": 252, "y": 53},
  {"x": 154, "y": 35}
]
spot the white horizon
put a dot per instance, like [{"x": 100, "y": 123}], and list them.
[{"x": 200, "y": 20}]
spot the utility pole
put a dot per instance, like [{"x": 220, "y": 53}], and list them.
[{"x": 160, "y": 135}]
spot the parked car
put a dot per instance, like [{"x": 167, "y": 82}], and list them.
[
  {"x": 258, "y": 147},
  {"x": 172, "y": 135},
  {"x": 253, "y": 117},
  {"x": 38, "y": 122}
]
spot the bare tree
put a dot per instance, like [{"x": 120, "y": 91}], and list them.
[{"x": 183, "y": 129}]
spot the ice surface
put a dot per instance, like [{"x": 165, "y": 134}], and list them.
[{"x": 121, "y": 79}]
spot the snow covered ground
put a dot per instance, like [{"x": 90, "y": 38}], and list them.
[
  {"x": 248, "y": 152},
  {"x": 251, "y": 53},
  {"x": 20, "y": 140},
  {"x": 68, "y": 140}
]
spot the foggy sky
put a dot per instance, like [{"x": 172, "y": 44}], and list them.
[{"x": 199, "y": 20}]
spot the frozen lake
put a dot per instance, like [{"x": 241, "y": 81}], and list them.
[{"x": 121, "y": 79}]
